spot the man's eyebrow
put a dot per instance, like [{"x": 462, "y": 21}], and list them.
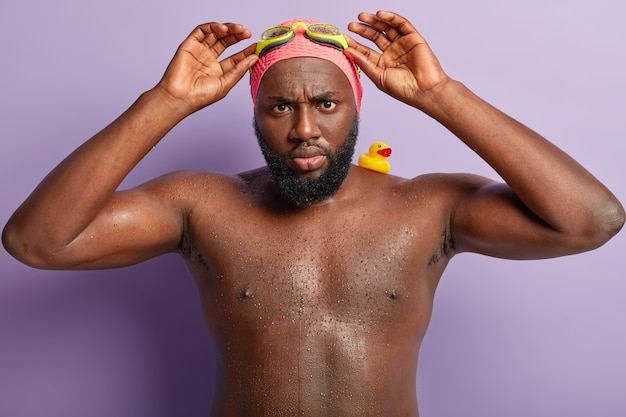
[
  {"x": 280, "y": 99},
  {"x": 326, "y": 95}
]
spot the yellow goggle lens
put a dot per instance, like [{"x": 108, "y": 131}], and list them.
[{"x": 323, "y": 33}]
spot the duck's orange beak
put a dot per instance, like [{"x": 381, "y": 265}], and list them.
[{"x": 384, "y": 152}]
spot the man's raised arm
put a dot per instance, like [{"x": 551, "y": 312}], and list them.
[
  {"x": 75, "y": 219},
  {"x": 549, "y": 206}
]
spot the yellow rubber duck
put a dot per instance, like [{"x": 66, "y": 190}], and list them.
[{"x": 376, "y": 158}]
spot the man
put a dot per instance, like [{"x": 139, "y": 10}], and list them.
[{"x": 310, "y": 311}]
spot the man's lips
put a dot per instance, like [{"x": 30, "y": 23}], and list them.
[
  {"x": 309, "y": 164},
  {"x": 307, "y": 158}
]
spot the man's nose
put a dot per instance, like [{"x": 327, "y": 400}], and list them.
[{"x": 305, "y": 125}]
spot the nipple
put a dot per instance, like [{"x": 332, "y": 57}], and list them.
[
  {"x": 392, "y": 294},
  {"x": 247, "y": 293}
]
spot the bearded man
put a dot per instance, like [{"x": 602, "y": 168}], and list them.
[{"x": 310, "y": 313}]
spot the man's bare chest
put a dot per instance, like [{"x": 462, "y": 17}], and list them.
[{"x": 356, "y": 264}]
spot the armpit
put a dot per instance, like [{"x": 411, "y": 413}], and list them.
[
  {"x": 447, "y": 247},
  {"x": 189, "y": 252}
]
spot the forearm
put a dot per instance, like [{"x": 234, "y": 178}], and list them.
[
  {"x": 70, "y": 197},
  {"x": 549, "y": 182}
]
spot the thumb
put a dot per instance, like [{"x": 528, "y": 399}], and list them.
[{"x": 238, "y": 68}]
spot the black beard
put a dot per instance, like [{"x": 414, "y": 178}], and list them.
[{"x": 304, "y": 191}]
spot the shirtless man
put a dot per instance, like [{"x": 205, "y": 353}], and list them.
[{"x": 310, "y": 313}]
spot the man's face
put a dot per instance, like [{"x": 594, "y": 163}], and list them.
[{"x": 306, "y": 123}]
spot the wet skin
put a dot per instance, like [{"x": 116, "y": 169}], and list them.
[{"x": 318, "y": 310}]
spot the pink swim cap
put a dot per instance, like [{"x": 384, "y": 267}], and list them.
[{"x": 301, "y": 46}]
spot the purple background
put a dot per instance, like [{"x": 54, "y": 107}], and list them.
[{"x": 539, "y": 338}]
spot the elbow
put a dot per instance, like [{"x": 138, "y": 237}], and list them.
[
  {"x": 11, "y": 242},
  {"x": 608, "y": 221},
  {"x": 614, "y": 218},
  {"x": 593, "y": 226},
  {"x": 20, "y": 248},
  {"x": 15, "y": 245}
]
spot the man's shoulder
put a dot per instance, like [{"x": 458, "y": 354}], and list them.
[
  {"x": 196, "y": 179},
  {"x": 439, "y": 182},
  {"x": 438, "y": 189},
  {"x": 253, "y": 176},
  {"x": 194, "y": 185}
]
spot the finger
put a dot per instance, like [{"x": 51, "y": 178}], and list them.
[
  {"x": 243, "y": 59},
  {"x": 366, "y": 58},
  {"x": 370, "y": 33},
  {"x": 363, "y": 51},
  {"x": 236, "y": 65},
  {"x": 219, "y": 36},
  {"x": 396, "y": 23},
  {"x": 382, "y": 26}
]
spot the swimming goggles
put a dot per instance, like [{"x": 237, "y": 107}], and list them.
[{"x": 322, "y": 33}]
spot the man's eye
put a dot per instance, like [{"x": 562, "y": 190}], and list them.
[
  {"x": 280, "y": 108},
  {"x": 328, "y": 105}
]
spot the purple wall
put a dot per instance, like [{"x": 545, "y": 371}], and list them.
[{"x": 541, "y": 338}]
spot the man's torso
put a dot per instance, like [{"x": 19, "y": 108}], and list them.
[{"x": 319, "y": 309}]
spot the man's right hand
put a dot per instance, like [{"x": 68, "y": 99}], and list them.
[{"x": 195, "y": 77}]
